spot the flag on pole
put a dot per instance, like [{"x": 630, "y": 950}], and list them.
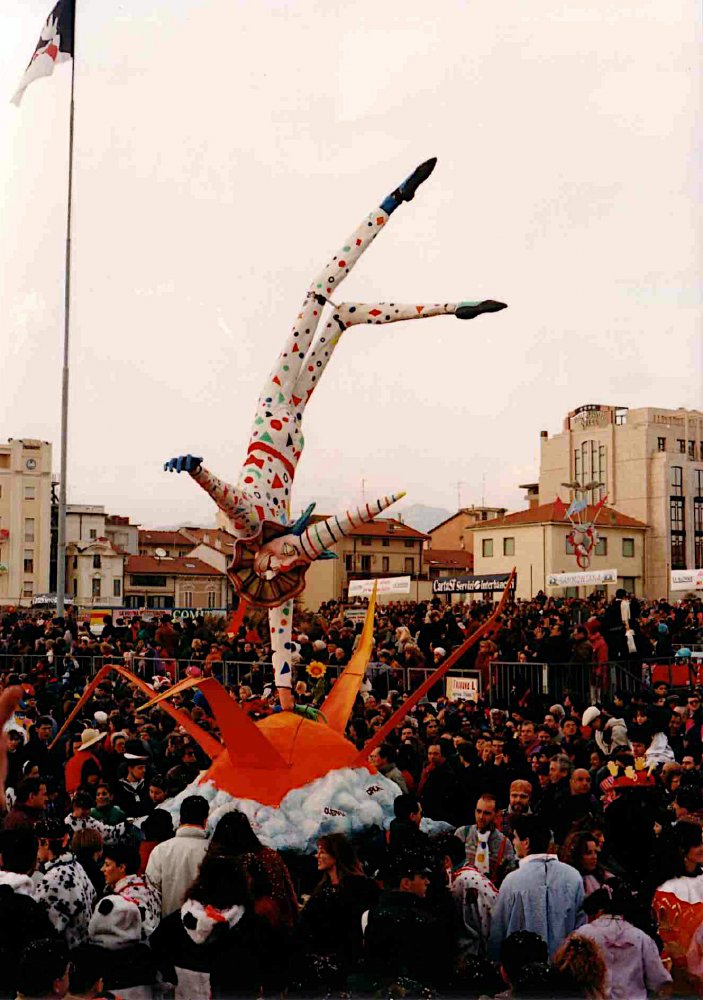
[{"x": 55, "y": 45}]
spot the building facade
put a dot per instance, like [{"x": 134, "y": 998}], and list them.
[
  {"x": 457, "y": 531},
  {"x": 181, "y": 582},
  {"x": 122, "y": 533},
  {"x": 94, "y": 574},
  {"x": 385, "y": 547},
  {"x": 535, "y": 542},
  {"x": 649, "y": 463},
  {"x": 25, "y": 520}
]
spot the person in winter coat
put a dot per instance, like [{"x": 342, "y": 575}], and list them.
[
  {"x": 543, "y": 895},
  {"x": 403, "y": 939},
  {"x": 173, "y": 864},
  {"x": 268, "y": 878},
  {"x": 64, "y": 889},
  {"x": 634, "y": 969},
  {"x": 104, "y": 810},
  {"x": 127, "y": 965},
  {"x": 120, "y": 866},
  {"x": 214, "y": 944},
  {"x": 329, "y": 927},
  {"x": 609, "y": 733},
  {"x": 22, "y": 919}
]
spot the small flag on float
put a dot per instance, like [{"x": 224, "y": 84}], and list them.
[{"x": 55, "y": 45}]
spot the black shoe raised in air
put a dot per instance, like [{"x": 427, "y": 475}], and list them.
[
  {"x": 469, "y": 310},
  {"x": 406, "y": 190}
]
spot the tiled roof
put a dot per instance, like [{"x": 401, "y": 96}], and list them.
[
  {"x": 387, "y": 527},
  {"x": 554, "y": 513},
  {"x": 211, "y": 537},
  {"x": 162, "y": 538},
  {"x": 455, "y": 558},
  {"x": 182, "y": 566}
]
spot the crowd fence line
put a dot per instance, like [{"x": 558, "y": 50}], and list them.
[{"x": 508, "y": 682}]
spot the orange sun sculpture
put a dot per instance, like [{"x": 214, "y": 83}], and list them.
[{"x": 264, "y": 761}]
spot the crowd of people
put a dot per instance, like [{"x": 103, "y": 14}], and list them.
[{"x": 566, "y": 855}]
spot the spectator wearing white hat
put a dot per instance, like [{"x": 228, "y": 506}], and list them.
[{"x": 75, "y": 769}]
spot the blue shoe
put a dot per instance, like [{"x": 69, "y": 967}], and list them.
[{"x": 406, "y": 191}]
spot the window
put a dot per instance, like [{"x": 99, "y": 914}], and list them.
[
  {"x": 29, "y": 529},
  {"x": 410, "y": 565},
  {"x": 30, "y": 493},
  {"x": 28, "y": 589},
  {"x": 676, "y": 481},
  {"x": 678, "y": 532},
  {"x": 97, "y": 585},
  {"x": 385, "y": 564},
  {"x": 590, "y": 466},
  {"x": 628, "y": 584},
  {"x": 93, "y": 534},
  {"x": 409, "y": 545},
  {"x": 365, "y": 541},
  {"x": 386, "y": 542},
  {"x": 97, "y": 562},
  {"x": 187, "y": 598},
  {"x": 568, "y": 547},
  {"x": 366, "y": 564},
  {"x": 157, "y": 601},
  {"x": 508, "y": 546},
  {"x": 349, "y": 563},
  {"x": 211, "y": 599},
  {"x": 699, "y": 481},
  {"x": 661, "y": 444},
  {"x": 698, "y": 532},
  {"x": 117, "y": 588},
  {"x": 691, "y": 449},
  {"x": 28, "y": 561},
  {"x": 486, "y": 547},
  {"x": 145, "y": 580},
  {"x": 682, "y": 445},
  {"x": 601, "y": 548},
  {"x": 628, "y": 547}
]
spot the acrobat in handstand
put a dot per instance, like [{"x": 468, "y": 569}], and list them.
[{"x": 271, "y": 555}]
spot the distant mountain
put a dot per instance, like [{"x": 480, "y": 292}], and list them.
[{"x": 424, "y": 518}]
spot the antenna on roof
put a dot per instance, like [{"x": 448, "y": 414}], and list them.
[{"x": 160, "y": 553}]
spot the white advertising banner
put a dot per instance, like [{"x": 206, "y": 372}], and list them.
[
  {"x": 390, "y": 585},
  {"x": 582, "y": 579},
  {"x": 467, "y": 687},
  {"x": 687, "y": 579}
]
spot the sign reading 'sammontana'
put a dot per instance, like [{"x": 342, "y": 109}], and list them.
[{"x": 271, "y": 554}]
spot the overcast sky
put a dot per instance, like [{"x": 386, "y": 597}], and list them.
[{"x": 224, "y": 149}]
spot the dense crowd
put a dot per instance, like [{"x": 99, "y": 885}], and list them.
[{"x": 537, "y": 849}]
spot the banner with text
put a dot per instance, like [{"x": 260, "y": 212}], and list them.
[
  {"x": 389, "y": 585},
  {"x": 585, "y": 579},
  {"x": 687, "y": 579},
  {"x": 485, "y": 584}
]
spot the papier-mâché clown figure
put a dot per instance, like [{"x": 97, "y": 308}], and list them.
[{"x": 271, "y": 554}]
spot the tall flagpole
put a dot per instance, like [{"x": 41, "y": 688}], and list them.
[{"x": 61, "y": 542}]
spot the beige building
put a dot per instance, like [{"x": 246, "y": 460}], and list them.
[
  {"x": 173, "y": 582},
  {"x": 25, "y": 520},
  {"x": 94, "y": 573},
  {"x": 122, "y": 533},
  {"x": 457, "y": 531},
  {"x": 169, "y": 543},
  {"x": 383, "y": 548},
  {"x": 650, "y": 464},
  {"x": 535, "y": 542}
]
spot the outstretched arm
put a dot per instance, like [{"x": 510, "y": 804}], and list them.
[{"x": 230, "y": 500}]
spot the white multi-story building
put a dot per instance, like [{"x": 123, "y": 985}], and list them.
[
  {"x": 25, "y": 519},
  {"x": 94, "y": 566}
]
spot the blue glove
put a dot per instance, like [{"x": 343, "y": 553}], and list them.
[{"x": 184, "y": 463}]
